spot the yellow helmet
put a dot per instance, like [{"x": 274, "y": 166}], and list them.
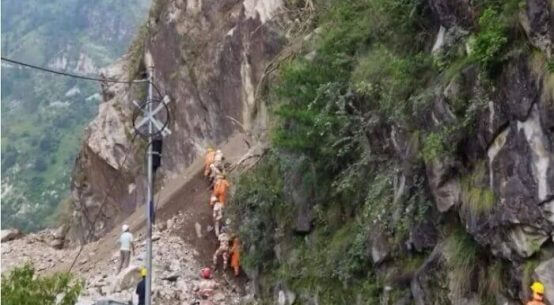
[
  {"x": 537, "y": 287},
  {"x": 210, "y": 149},
  {"x": 143, "y": 271}
]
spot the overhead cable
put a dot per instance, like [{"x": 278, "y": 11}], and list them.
[{"x": 97, "y": 79}]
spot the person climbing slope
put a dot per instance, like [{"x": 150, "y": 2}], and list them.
[
  {"x": 213, "y": 200},
  {"x": 127, "y": 248},
  {"x": 218, "y": 159},
  {"x": 220, "y": 188},
  {"x": 141, "y": 287},
  {"x": 538, "y": 292},
  {"x": 214, "y": 172},
  {"x": 235, "y": 256},
  {"x": 218, "y": 216},
  {"x": 208, "y": 160},
  {"x": 223, "y": 249}
]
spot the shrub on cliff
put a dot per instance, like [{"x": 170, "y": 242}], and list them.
[{"x": 22, "y": 286}]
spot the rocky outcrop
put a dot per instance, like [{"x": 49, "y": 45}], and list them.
[
  {"x": 545, "y": 273},
  {"x": 209, "y": 58},
  {"x": 10, "y": 234}
]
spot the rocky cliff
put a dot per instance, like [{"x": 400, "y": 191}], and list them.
[
  {"x": 209, "y": 58},
  {"x": 412, "y": 157}
]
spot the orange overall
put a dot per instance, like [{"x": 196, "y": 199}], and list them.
[
  {"x": 220, "y": 190},
  {"x": 235, "y": 256},
  {"x": 208, "y": 160}
]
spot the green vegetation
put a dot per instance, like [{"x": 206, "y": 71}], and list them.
[
  {"x": 491, "y": 38},
  {"x": 477, "y": 197},
  {"x": 369, "y": 77},
  {"x": 22, "y": 286},
  {"x": 44, "y": 116}
]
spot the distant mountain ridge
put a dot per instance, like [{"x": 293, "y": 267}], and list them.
[{"x": 43, "y": 116}]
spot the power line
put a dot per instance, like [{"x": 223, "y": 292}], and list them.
[{"x": 97, "y": 79}]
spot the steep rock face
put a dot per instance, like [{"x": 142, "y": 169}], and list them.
[
  {"x": 514, "y": 138},
  {"x": 209, "y": 57}
]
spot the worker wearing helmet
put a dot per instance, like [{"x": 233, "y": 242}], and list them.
[
  {"x": 220, "y": 188},
  {"x": 538, "y": 293},
  {"x": 207, "y": 286},
  {"x": 208, "y": 160},
  {"x": 141, "y": 287},
  {"x": 126, "y": 248}
]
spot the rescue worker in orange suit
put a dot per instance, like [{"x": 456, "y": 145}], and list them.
[
  {"x": 235, "y": 256},
  {"x": 223, "y": 249},
  {"x": 220, "y": 188},
  {"x": 538, "y": 293},
  {"x": 208, "y": 160}
]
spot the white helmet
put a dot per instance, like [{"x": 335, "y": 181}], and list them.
[{"x": 125, "y": 228}]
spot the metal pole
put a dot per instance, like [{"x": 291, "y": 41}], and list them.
[{"x": 148, "y": 288}]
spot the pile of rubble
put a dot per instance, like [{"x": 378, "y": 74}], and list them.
[
  {"x": 176, "y": 269},
  {"x": 40, "y": 249}
]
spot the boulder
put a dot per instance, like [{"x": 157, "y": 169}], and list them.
[
  {"x": 380, "y": 248},
  {"x": 536, "y": 21},
  {"x": 60, "y": 232},
  {"x": 127, "y": 278},
  {"x": 545, "y": 273},
  {"x": 56, "y": 243},
  {"x": 10, "y": 234},
  {"x": 444, "y": 184}
]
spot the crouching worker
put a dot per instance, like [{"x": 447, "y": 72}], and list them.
[
  {"x": 235, "y": 256},
  {"x": 538, "y": 293},
  {"x": 223, "y": 249},
  {"x": 207, "y": 286}
]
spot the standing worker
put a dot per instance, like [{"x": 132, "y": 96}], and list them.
[
  {"x": 127, "y": 248},
  {"x": 223, "y": 249},
  {"x": 141, "y": 287},
  {"x": 220, "y": 188},
  {"x": 218, "y": 215},
  {"x": 538, "y": 292},
  {"x": 235, "y": 256},
  {"x": 208, "y": 160}
]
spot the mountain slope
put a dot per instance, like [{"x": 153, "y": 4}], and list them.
[{"x": 43, "y": 116}]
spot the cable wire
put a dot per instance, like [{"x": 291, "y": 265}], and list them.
[{"x": 73, "y": 75}]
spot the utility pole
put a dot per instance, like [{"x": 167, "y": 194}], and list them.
[
  {"x": 149, "y": 197},
  {"x": 151, "y": 123}
]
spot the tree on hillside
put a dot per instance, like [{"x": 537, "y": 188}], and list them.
[{"x": 23, "y": 287}]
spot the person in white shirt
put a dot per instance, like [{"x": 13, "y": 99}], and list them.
[{"x": 127, "y": 248}]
